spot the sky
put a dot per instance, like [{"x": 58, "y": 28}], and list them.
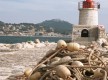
[{"x": 36, "y": 11}]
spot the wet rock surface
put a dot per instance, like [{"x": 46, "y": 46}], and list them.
[{"x": 14, "y": 62}]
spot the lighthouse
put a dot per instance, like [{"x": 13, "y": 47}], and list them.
[
  {"x": 88, "y": 28},
  {"x": 88, "y": 12}
]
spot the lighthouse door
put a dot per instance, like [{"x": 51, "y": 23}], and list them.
[{"x": 85, "y": 33}]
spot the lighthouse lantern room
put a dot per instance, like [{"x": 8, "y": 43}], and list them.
[{"x": 88, "y": 29}]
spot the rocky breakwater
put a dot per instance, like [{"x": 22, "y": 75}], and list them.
[
  {"x": 71, "y": 61},
  {"x": 15, "y": 58}
]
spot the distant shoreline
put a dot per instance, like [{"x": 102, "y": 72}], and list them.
[{"x": 36, "y": 36}]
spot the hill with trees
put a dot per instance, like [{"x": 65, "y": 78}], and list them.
[
  {"x": 59, "y": 26},
  {"x": 54, "y": 25}
]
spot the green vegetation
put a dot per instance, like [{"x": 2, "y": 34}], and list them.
[
  {"x": 59, "y": 26},
  {"x": 55, "y": 25}
]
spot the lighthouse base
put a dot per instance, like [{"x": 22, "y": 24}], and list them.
[{"x": 85, "y": 34}]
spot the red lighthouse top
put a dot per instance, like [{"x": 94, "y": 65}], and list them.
[
  {"x": 88, "y": 4},
  {"x": 89, "y": 0}
]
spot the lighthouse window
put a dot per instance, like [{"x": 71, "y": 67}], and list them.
[{"x": 85, "y": 33}]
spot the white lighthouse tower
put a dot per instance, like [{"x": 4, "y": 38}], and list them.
[
  {"x": 88, "y": 29},
  {"x": 88, "y": 12}
]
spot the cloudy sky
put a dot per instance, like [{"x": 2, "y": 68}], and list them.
[{"x": 35, "y": 11}]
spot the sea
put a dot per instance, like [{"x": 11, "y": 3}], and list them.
[{"x": 20, "y": 39}]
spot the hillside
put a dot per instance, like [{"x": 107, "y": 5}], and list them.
[
  {"x": 56, "y": 25},
  {"x": 59, "y": 26}
]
